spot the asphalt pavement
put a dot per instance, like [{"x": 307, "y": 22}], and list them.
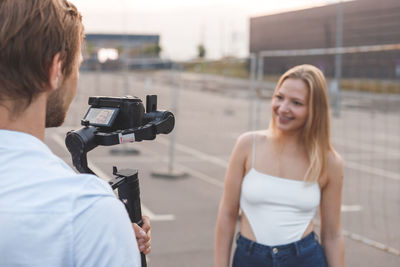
[{"x": 211, "y": 112}]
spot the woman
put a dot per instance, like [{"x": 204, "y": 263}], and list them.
[{"x": 279, "y": 177}]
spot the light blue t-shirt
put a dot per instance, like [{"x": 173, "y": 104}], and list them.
[{"x": 51, "y": 216}]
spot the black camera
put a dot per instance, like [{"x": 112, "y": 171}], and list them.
[
  {"x": 117, "y": 120},
  {"x": 117, "y": 113}
]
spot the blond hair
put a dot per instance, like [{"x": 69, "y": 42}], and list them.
[{"x": 316, "y": 131}]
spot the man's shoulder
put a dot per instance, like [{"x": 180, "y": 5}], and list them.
[{"x": 48, "y": 184}]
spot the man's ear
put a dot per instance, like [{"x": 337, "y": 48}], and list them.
[{"x": 55, "y": 72}]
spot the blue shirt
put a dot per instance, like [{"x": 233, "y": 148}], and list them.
[{"x": 51, "y": 216}]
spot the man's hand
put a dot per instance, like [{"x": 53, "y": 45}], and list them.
[{"x": 143, "y": 235}]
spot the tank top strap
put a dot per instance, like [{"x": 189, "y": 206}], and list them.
[{"x": 253, "y": 152}]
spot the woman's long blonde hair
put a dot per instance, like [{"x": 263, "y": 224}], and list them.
[{"x": 316, "y": 131}]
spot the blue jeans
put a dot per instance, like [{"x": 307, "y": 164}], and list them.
[{"x": 306, "y": 252}]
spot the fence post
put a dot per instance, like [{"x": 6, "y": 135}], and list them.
[
  {"x": 172, "y": 171},
  {"x": 335, "y": 85},
  {"x": 260, "y": 75},
  {"x": 252, "y": 94}
]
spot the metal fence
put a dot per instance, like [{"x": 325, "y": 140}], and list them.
[{"x": 212, "y": 110}]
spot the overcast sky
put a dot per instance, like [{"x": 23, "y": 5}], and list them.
[{"x": 221, "y": 25}]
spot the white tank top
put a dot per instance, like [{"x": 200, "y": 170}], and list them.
[{"x": 279, "y": 210}]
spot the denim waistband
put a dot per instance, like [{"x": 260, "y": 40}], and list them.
[{"x": 296, "y": 247}]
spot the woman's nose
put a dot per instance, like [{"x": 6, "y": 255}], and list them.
[{"x": 284, "y": 107}]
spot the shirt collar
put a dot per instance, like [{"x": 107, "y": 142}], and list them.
[{"x": 21, "y": 140}]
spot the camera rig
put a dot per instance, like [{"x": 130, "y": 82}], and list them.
[{"x": 118, "y": 120}]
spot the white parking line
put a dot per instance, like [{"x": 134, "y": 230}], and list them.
[
  {"x": 102, "y": 175},
  {"x": 372, "y": 170},
  {"x": 222, "y": 163},
  {"x": 374, "y": 148},
  {"x": 147, "y": 159},
  {"x": 371, "y": 243},
  {"x": 344, "y": 208},
  {"x": 350, "y": 208},
  {"x": 366, "y": 241},
  {"x": 362, "y": 155},
  {"x": 202, "y": 176},
  {"x": 195, "y": 153}
]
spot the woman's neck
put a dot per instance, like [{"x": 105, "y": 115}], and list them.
[{"x": 287, "y": 138}]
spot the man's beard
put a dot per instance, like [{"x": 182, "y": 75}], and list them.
[{"x": 55, "y": 109}]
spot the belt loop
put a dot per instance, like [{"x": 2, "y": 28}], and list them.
[
  {"x": 297, "y": 248},
  {"x": 237, "y": 237},
  {"x": 316, "y": 236}
]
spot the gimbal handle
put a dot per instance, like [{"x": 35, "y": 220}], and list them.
[
  {"x": 114, "y": 129},
  {"x": 127, "y": 182}
]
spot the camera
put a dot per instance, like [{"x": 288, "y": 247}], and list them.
[{"x": 117, "y": 120}]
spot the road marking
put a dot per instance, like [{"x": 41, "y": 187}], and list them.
[
  {"x": 354, "y": 208},
  {"x": 371, "y": 243},
  {"x": 147, "y": 159},
  {"x": 357, "y": 144},
  {"x": 372, "y": 170},
  {"x": 366, "y": 241},
  {"x": 195, "y": 153},
  {"x": 362, "y": 155},
  {"x": 350, "y": 208},
  {"x": 344, "y": 208},
  {"x": 157, "y": 217},
  {"x": 222, "y": 163},
  {"x": 201, "y": 176},
  {"x": 146, "y": 211}
]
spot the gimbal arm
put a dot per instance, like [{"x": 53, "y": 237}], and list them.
[
  {"x": 145, "y": 132},
  {"x": 81, "y": 141}
]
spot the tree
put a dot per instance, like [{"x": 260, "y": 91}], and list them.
[
  {"x": 90, "y": 49},
  {"x": 152, "y": 50},
  {"x": 201, "y": 51}
]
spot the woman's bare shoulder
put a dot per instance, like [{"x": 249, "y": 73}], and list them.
[
  {"x": 334, "y": 159},
  {"x": 334, "y": 165},
  {"x": 247, "y": 138}
]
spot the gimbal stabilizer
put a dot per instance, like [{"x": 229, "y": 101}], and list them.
[{"x": 111, "y": 121}]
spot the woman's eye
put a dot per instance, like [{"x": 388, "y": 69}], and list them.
[
  {"x": 297, "y": 103},
  {"x": 279, "y": 97}
]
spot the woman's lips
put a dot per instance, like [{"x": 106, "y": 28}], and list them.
[{"x": 284, "y": 119}]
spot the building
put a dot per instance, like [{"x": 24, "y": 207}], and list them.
[
  {"x": 365, "y": 22},
  {"x": 115, "y": 51}
]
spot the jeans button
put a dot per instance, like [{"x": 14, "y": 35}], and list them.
[{"x": 275, "y": 250}]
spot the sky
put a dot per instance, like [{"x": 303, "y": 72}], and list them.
[{"x": 222, "y": 26}]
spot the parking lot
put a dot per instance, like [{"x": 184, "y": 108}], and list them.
[{"x": 211, "y": 113}]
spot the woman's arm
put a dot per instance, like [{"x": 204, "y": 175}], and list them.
[
  {"x": 229, "y": 205},
  {"x": 331, "y": 201}
]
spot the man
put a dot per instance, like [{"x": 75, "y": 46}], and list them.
[{"x": 49, "y": 215}]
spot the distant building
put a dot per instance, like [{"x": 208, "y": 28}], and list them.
[
  {"x": 365, "y": 22},
  {"x": 115, "y": 51}
]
